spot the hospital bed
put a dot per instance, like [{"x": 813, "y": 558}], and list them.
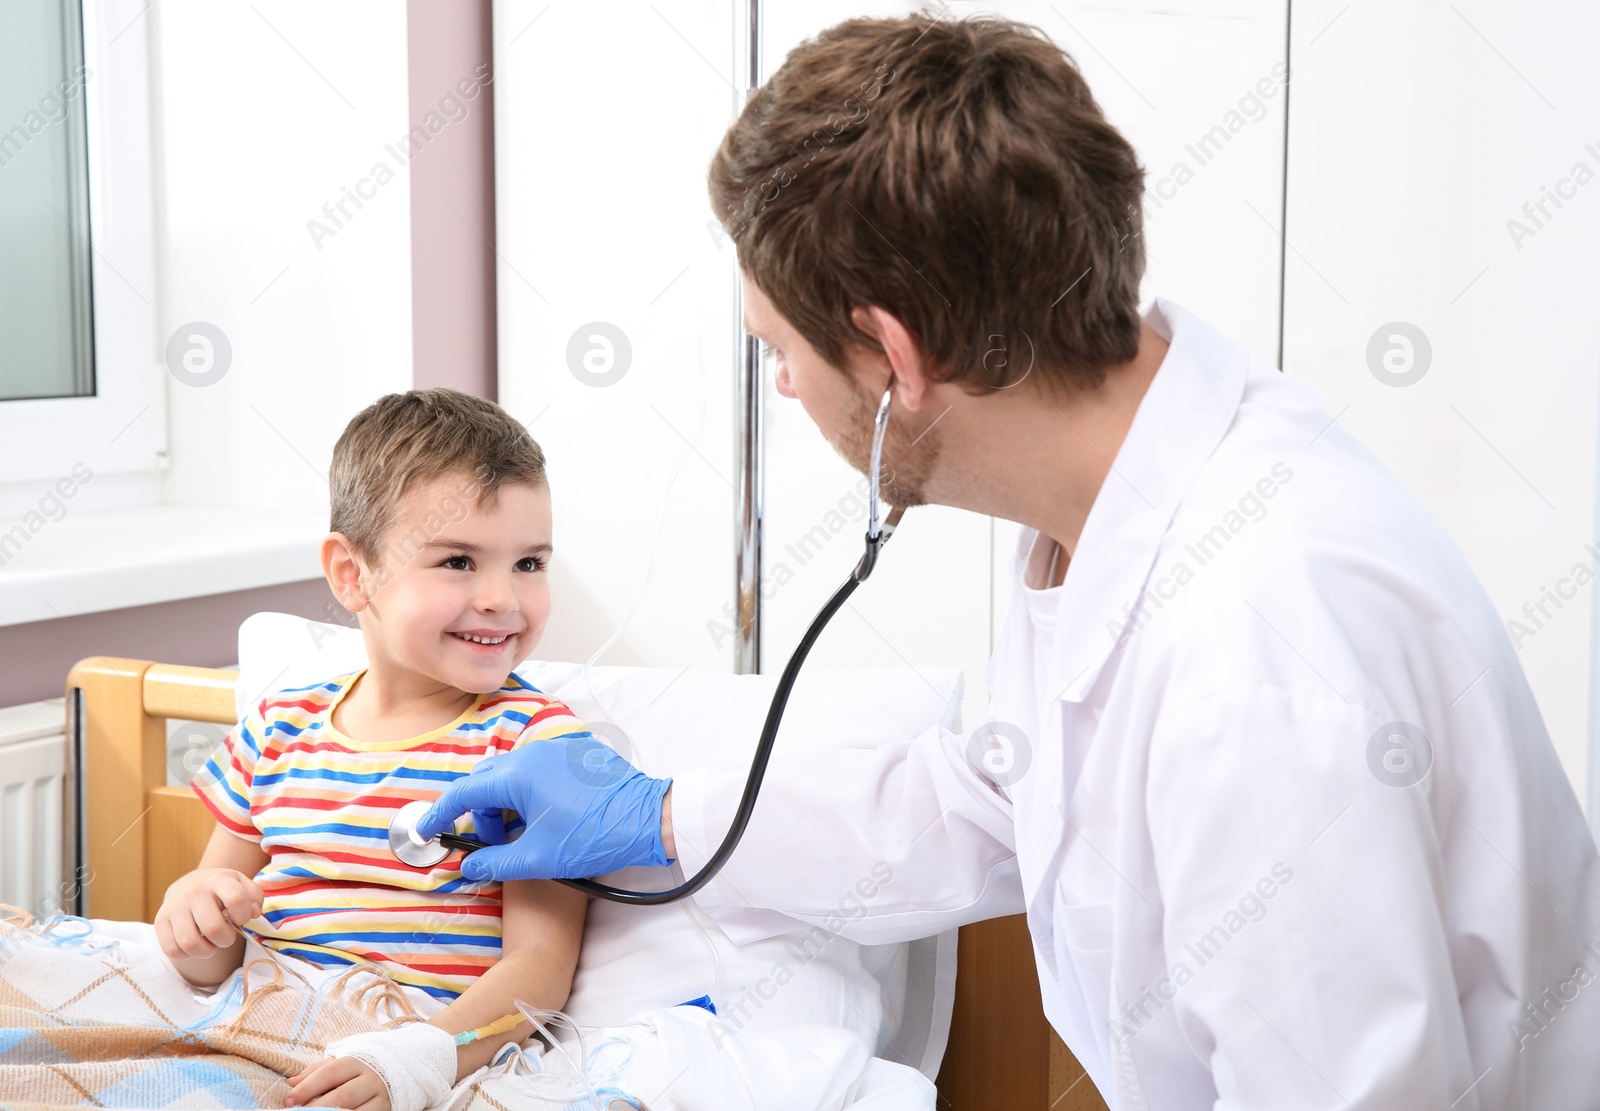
[{"x": 136, "y": 835}]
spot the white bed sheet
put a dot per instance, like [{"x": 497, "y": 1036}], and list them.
[{"x": 772, "y": 982}]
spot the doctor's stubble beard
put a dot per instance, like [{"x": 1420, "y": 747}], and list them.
[{"x": 907, "y": 460}]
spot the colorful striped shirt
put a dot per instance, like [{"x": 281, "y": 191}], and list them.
[{"x": 320, "y": 804}]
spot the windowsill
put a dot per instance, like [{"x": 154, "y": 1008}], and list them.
[{"x": 112, "y": 559}]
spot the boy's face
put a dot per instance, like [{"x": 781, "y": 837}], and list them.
[{"x": 460, "y": 592}]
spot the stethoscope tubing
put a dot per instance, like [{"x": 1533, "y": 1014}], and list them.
[
  {"x": 877, "y": 535},
  {"x": 752, "y": 785},
  {"x": 758, "y": 764},
  {"x": 460, "y": 843}
]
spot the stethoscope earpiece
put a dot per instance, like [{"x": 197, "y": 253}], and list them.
[{"x": 878, "y": 533}]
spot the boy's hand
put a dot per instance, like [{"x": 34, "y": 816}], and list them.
[
  {"x": 409, "y": 1067},
  {"x": 191, "y": 920},
  {"x": 338, "y": 1082}
]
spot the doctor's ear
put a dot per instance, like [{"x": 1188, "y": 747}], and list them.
[
  {"x": 901, "y": 349},
  {"x": 342, "y": 568}
]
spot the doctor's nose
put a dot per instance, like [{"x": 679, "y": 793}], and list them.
[{"x": 780, "y": 378}]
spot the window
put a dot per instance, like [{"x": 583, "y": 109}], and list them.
[
  {"x": 81, "y": 368},
  {"x": 46, "y": 338}
]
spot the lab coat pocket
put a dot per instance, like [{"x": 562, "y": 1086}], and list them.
[
  {"x": 1085, "y": 928},
  {"x": 1083, "y": 942}
]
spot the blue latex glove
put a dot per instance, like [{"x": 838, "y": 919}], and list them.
[
  {"x": 489, "y": 826},
  {"x": 588, "y": 811}
]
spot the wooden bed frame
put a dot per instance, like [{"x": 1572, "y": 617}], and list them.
[{"x": 139, "y": 835}]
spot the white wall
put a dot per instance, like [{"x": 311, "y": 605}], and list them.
[
  {"x": 605, "y": 116},
  {"x": 1418, "y": 132},
  {"x": 265, "y": 112}
]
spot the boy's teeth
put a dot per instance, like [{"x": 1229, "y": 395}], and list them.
[{"x": 483, "y": 640}]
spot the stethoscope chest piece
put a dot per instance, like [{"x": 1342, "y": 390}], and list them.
[{"x": 404, "y": 842}]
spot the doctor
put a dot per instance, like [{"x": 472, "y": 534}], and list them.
[{"x": 1274, "y": 792}]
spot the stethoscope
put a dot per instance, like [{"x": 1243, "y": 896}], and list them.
[{"x": 424, "y": 853}]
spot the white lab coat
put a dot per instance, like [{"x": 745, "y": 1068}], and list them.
[{"x": 1248, "y": 883}]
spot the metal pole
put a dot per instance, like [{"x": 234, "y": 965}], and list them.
[
  {"x": 76, "y": 818},
  {"x": 751, "y": 480}
]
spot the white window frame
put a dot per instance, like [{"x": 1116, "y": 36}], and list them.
[{"x": 122, "y": 428}]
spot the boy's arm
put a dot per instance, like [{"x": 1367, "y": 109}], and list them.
[
  {"x": 541, "y": 932},
  {"x": 542, "y": 928},
  {"x": 203, "y": 945},
  {"x": 542, "y": 924}
]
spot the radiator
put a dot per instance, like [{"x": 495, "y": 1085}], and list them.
[{"x": 33, "y": 764}]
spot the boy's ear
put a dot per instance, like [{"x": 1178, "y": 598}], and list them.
[{"x": 342, "y": 568}]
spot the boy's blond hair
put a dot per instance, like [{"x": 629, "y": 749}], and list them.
[{"x": 405, "y": 439}]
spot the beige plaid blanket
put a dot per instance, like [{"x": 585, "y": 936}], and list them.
[
  {"x": 91, "y": 1018},
  {"x": 92, "y": 1015}
]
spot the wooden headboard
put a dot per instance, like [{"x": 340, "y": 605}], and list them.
[{"x": 140, "y": 835}]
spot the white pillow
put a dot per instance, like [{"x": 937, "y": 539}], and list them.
[{"x": 897, "y": 997}]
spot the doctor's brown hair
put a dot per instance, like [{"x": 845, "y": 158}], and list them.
[
  {"x": 404, "y": 439},
  {"x": 958, "y": 174}
]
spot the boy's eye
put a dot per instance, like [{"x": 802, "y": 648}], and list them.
[
  {"x": 458, "y": 563},
  {"x": 530, "y": 563}
]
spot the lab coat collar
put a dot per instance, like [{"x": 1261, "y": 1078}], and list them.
[{"x": 1191, "y": 402}]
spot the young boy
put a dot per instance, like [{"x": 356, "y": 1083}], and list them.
[{"x": 441, "y": 533}]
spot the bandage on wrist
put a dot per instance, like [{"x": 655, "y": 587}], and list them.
[{"x": 416, "y": 1062}]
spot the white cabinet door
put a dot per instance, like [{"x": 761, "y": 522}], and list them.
[
  {"x": 1441, "y": 290},
  {"x": 616, "y": 325}
]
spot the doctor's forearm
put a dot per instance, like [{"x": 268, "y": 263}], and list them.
[{"x": 904, "y": 837}]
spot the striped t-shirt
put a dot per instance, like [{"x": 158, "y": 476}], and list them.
[{"x": 320, "y": 804}]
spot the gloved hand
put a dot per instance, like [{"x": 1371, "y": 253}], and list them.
[
  {"x": 489, "y": 826},
  {"x": 588, "y": 812}
]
